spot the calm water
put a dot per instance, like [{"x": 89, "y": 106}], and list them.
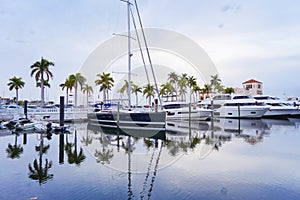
[{"x": 246, "y": 159}]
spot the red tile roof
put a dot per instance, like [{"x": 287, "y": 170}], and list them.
[{"x": 251, "y": 81}]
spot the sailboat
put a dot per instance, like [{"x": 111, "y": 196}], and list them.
[{"x": 130, "y": 119}]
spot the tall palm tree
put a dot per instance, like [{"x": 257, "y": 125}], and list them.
[
  {"x": 167, "y": 90},
  {"x": 196, "y": 90},
  {"x": 88, "y": 90},
  {"x": 15, "y": 83},
  {"x": 173, "y": 79},
  {"x": 68, "y": 84},
  {"x": 46, "y": 84},
  {"x": 191, "y": 83},
  {"x": 149, "y": 92},
  {"x": 78, "y": 80},
  {"x": 206, "y": 89},
  {"x": 215, "y": 80},
  {"x": 182, "y": 84},
  {"x": 106, "y": 82},
  {"x": 136, "y": 89},
  {"x": 40, "y": 69}
]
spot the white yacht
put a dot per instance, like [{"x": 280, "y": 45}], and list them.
[
  {"x": 181, "y": 111},
  {"x": 278, "y": 108},
  {"x": 234, "y": 106}
]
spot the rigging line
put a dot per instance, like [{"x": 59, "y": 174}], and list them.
[
  {"x": 140, "y": 46},
  {"x": 155, "y": 171},
  {"x": 147, "y": 175},
  {"x": 148, "y": 54}
]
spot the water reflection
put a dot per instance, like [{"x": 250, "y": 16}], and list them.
[
  {"x": 135, "y": 162},
  {"x": 37, "y": 171},
  {"x": 15, "y": 150},
  {"x": 74, "y": 157}
]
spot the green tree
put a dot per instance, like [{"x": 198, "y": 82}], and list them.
[
  {"x": 182, "y": 84},
  {"x": 78, "y": 80},
  {"x": 166, "y": 90},
  {"x": 206, "y": 89},
  {"x": 214, "y": 81},
  {"x": 196, "y": 90},
  {"x": 88, "y": 90},
  {"x": 15, "y": 83},
  {"x": 191, "y": 81},
  {"x": 68, "y": 85},
  {"x": 228, "y": 90},
  {"x": 106, "y": 82},
  {"x": 173, "y": 79},
  {"x": 149, "y": 92},
  {"x": 136, "y": 89},
  {"x": 41, "y": 71}
]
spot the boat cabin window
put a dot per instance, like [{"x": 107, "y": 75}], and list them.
[
  {"x": 222, "y": 97},
  {"x": 241, "y": 97},
  {"x": 174, "y": 106}
]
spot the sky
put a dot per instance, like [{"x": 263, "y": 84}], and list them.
[{"x": 244, "y": 39}]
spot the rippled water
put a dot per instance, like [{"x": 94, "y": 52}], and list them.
[{"x": 233, "y": 159}]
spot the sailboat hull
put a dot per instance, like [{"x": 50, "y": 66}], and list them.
[{"x": 129, "y": 121}]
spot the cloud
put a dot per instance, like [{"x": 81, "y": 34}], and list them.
[{"x": 230, "y": 7}]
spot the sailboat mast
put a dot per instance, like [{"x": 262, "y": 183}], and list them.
[{"x": 129, "y": 55}]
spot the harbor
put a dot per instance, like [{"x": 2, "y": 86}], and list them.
[
  {"x": 131, "y": 99},
  {"x": 224, "y": 161}
]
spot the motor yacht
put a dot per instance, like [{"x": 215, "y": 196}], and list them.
[
  {"x": 185, "y": 111},
  {"x": 278, "y": 108},
  {"x": 234, "y": 106}
]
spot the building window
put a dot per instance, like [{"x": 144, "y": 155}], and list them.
[
  {"x": 248, "y": 87},
  {"x": 258, "y": 86}
]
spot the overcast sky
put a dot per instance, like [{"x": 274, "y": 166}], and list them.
[{"x": 245, "y": 39}]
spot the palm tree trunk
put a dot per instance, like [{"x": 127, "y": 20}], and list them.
[
  {"x": 75, "y": 97},
  {"x": 42, "y": 90},
  {"x": 17, "y": 96},
  {"x": 67, "y": 97}
]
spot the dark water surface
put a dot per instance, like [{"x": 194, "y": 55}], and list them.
[{"x": 246, "y": 159}]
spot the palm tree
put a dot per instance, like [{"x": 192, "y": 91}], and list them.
[
  {"x": 136, "y": 89},
  {"x": 182, "y": 84},
  {"x": 173, "y": 79},
  {"x": 68, "y": 84},
  {"x": 106, "y": 83},
  {"x": 88, "y": 90},
  {"x": 167, "y": 90},
  {"x": 46, "y": 84},
  {"x": 41, "y": 71},
  {"x": 191, "y": 83},
  {"x": 206, "y": 89},
  {"x": 149, "y": 92},
  {"x": 15, "y": 83},
  {"x": 196, "y": 90},
  {"x": 215, "y": 80},
  {"x": 78, "y": 80}
]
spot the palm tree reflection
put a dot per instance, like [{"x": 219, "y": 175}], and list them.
[
  {"x": 14, "y": 151},
  {"x": 104, "y": 155},
  {"x": 37, "y": 171},
  {"x": 73, "y": 156}
]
